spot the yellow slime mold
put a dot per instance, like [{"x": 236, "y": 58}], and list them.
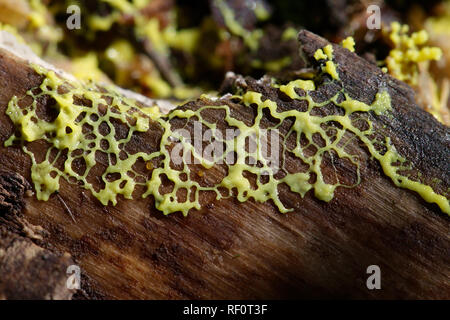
[{"x": 76, "y": 132}]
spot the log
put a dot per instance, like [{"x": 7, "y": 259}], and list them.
[{"x": 249, "y": 250}]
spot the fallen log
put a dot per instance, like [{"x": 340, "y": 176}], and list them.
[{"x": 233, "y": 249}]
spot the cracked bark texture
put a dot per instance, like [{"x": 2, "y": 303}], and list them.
[{"x": 27, "y": 271}]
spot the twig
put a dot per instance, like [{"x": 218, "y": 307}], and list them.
[
  {"x": 65, "y": 206},
  {"x": 162, "y": 64}
]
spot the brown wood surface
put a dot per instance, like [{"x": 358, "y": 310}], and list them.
[
  {"x": 27, "y": 271},
  {"x": 239, "y": 250}
]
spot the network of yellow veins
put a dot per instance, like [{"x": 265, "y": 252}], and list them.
[{"x": 66, "y": 133}]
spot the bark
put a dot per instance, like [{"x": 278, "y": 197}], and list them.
[{"x": 27, "y": 271}]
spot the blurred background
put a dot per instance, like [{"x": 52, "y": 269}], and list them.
[{"x": 177, "y": 50}]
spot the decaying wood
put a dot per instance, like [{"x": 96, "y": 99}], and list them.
[
  {"x": 238, "y": 250},
  {"x": 27, "y": 271}
]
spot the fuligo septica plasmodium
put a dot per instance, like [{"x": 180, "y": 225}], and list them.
[{"x": 76, "y": 136}]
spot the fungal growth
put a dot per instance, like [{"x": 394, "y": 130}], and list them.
[{"x": 90, "y": 143}]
